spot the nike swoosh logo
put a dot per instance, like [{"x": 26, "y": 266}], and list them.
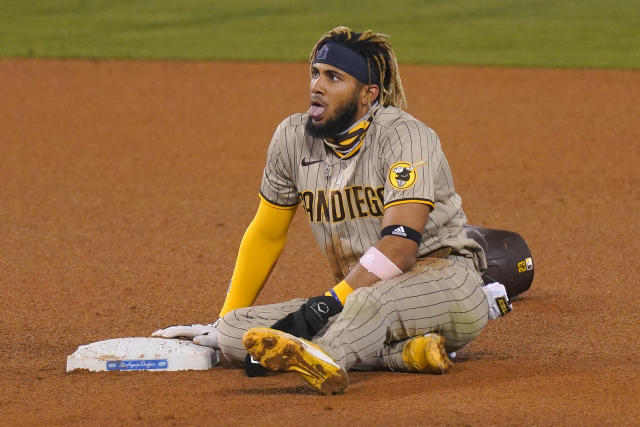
[{"x": 310, "y": 162}]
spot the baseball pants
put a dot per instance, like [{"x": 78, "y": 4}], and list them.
[{"x": 441, "y": 295}]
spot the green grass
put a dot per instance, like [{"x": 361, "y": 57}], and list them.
[{"x": 542, "y": 33}]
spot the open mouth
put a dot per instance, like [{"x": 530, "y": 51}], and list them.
[{"x": 317, "y": 109}]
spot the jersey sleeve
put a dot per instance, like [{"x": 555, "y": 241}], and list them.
[
  {"x": 278, "y": 187},
  {"x": 410, "y": 164}
]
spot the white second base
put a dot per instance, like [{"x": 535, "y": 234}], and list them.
[{"x": 142, "y": 354}]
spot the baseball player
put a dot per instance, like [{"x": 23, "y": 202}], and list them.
[{"x": 380, "y": 199}]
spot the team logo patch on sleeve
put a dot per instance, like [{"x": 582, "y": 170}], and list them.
[{"x": 402, "y": 175}]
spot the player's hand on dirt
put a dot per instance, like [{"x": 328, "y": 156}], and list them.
[{"x": 206, "y": 335}]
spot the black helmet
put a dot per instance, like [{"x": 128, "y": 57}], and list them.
[{"x": 509, "y": 259}]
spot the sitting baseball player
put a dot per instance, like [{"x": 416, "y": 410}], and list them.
[{"x": 379, "y": 195}]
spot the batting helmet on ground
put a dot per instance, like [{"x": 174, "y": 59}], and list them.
[{"x": 509, "y": 259}]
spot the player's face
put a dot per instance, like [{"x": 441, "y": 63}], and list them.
[{"x": 336, "y": 101}]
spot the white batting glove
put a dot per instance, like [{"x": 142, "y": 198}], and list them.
[
  {"x": 206, "y": 335},
  {"x": 499, "y": 304}
]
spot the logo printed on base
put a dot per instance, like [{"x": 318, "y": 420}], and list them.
[{"x": 137, "y": 365}]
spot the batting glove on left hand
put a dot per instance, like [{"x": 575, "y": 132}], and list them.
[
  {"x": 206, "y": 335},
  {"x": 499, "y": 304}
]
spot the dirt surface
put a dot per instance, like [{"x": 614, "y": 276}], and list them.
[{"x": 126, "y": 187}]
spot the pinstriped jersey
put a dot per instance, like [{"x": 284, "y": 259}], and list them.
[{"x": 399, "y": 161}]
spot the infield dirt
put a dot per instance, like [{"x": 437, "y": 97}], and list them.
[{"x": 126, "y": 187}]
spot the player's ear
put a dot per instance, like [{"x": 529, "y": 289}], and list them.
[{"x": 370, "y": 94}]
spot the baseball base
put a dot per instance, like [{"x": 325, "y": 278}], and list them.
[{"x": 142, "y": 354}]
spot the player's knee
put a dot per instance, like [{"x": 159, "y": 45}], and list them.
[
  {"x": 233, "y": 319},
  {"x": 364, "y": 300}
]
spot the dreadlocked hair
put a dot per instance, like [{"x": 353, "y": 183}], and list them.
[{"x": 377, "y": 51}]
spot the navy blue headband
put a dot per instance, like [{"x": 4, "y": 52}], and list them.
[{"x": 349, "y": 61}]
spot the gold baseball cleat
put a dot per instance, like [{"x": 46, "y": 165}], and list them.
[
  {"x": 426, "y": 354},
  {"x": 279, "y": 351}
]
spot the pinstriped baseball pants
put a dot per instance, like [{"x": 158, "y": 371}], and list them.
[{"x": 436, "y": 295}]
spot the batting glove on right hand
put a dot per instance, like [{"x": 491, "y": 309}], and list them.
[{"x": 206, "y": 335}]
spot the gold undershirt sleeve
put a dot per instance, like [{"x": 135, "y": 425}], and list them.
[{"x": 261, "y": 247}]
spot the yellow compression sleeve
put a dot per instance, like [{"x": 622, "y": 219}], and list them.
[{"x": 261, "y": 246}]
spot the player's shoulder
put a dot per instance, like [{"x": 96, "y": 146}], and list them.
[
  {"x": 396, "y": 122},
  {"x": 294, "y": 121},
  {"x": 289, "y": 131}
]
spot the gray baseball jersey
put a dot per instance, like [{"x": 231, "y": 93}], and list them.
[{"x": 399, "y": 161}]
